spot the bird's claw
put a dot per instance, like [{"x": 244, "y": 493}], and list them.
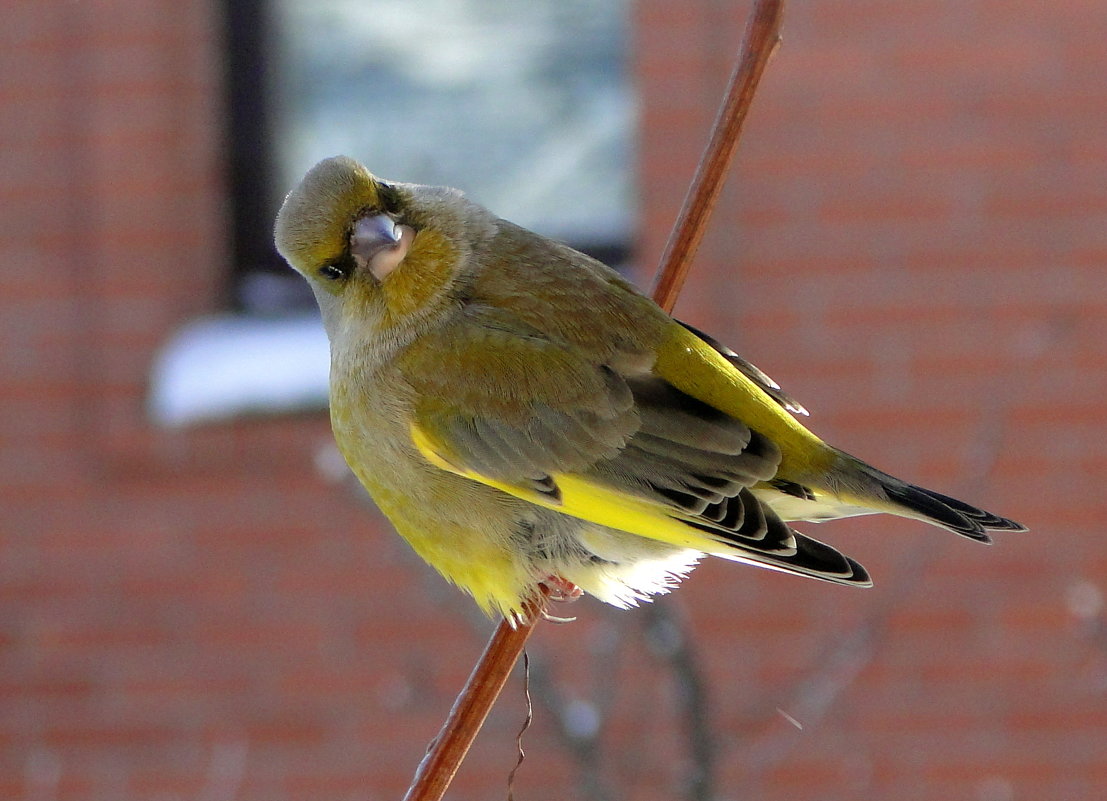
[{"x": 559, "y": 589}]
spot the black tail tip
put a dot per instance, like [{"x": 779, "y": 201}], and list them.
[{"x": 957, "y": 516}]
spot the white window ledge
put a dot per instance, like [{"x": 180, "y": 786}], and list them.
[{"x": 221, "y": 367}]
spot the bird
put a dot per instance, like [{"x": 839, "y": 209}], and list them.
[{"x": 532, "y": 424}]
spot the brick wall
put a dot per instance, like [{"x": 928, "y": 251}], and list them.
[{"x": 912, "y": 242}]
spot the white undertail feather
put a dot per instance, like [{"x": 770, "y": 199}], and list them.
[
  {"x": 823, "y": 507},
  {"x": 633, "y": 569}
]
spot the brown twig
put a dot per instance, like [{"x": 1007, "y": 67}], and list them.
[
  {"x": 761, "y": 40},
  {"x": 673, "y": 644},
  {"x": 472, "y": 706}
]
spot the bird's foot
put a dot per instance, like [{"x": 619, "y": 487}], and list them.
[
  {"x": 559, "y": 589},
  {"x": 555, "y": 588}
]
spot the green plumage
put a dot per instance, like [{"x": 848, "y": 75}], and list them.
[{"x": 523, "y": 414}]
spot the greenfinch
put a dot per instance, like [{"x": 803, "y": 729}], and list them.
[{"x": 530, "y": 422}]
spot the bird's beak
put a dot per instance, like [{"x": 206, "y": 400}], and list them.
[{"x": 379, "y": 244}]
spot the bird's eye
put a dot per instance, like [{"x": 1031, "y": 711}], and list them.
[
  {"x": 389, "y": 198},
  {"x": 332, "y": 272}
]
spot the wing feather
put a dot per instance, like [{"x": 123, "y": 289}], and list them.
[
  {"x": 752, "y": 372},
  {"x": 619, "y": 446}
]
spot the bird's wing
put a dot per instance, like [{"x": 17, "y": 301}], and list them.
[
  {"x": 751, "y": 371},
  {"x": 621, "y": 447}
]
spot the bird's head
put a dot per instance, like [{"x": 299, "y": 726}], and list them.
[{"x": 379, "y": 256}]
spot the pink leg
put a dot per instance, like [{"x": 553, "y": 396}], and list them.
[{"x": 559, "y": 589}]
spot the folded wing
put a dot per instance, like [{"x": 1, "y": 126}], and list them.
[{"x": 618, "y": 446}]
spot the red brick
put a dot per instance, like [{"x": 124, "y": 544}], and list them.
[
  {"x": 911, "y": 241},
  {"x": 104, "y": 735}
]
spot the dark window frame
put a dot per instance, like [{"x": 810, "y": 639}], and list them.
[
  {"x": 249, "y": 156},
  {"x": 250, "y": 169}
]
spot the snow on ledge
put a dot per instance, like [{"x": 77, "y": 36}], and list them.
[{"x": 216, "y": 368}]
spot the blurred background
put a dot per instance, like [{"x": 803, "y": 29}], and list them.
[{"x": 195, "y": 602}]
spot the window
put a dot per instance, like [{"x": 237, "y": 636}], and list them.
[{"x": 527, "y": 107}]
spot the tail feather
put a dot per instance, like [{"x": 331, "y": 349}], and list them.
[
  {"x": 933, "y": 507},
  {"x": 811, "y": 558},
  {"x": 863, "y": 485},
  {"x": 987, "y": 520}
]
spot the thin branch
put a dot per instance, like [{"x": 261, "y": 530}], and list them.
[
  {"x": 671, "y": 642},
  {"x": 584, "y": 742},
  {"x": 760, "y": 42},
  {"x": 472, "y": 706}
]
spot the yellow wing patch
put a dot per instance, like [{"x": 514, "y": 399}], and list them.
[
  {"x": 435, "y": 454},
  {"x": 694, "y": 367},
  {"x": 593, "y": 502}
]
